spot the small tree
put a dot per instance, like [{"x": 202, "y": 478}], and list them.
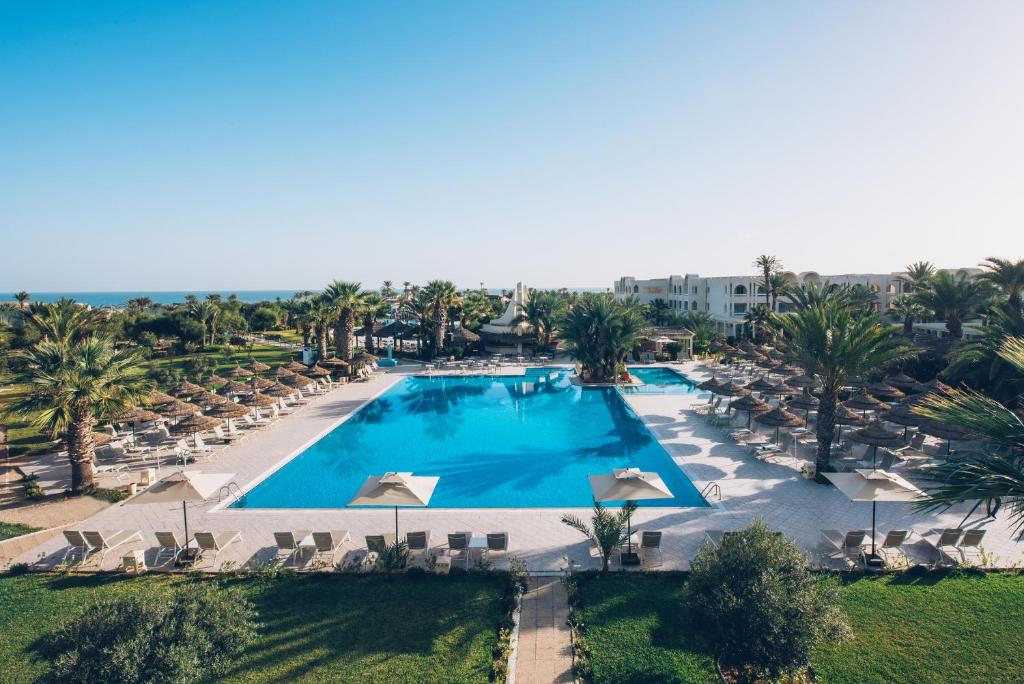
[
  {"x": 761, "y": 608},
  {"x": 606, "y": 532},
  {"x": 189, "y": 635},
  {"x": 759, "y": 604}
]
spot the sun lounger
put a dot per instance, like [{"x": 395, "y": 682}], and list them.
[
  {"x": 224, "y": 437},
  {"x": 292, "y": 545},
  {"x": 418, "y": 542},
  {"x": 329, "y": 542},
  {"x": 970, "y": 542},
  {"x": 168, "y": 544},
  {"x": 942, "y": 541},
  {"x": 208, "y": 541},
  {"x": 497, "y": 543},
  {"x": 76, "y": 542},
  {"x": 376, "y": 546},
  {"x": 105, "y": 541},
  {"x": 650, "y": 547},
  {"x": 850, "y": 544},
  {"x": 458, "y": 546},
  {"x": 890, "y": 548},
  {"x": 714, "y": 537}
]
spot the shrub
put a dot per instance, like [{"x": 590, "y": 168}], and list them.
[
  {"x": 607, "y": 531},
  {"x": 762, "y": 609},
  {"x": 674, "y": 348},
  {"x": 187, "y": 635}
]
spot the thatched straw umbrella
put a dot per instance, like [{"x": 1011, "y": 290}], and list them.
[
  {"x": 750, "y": 405},
  {"x": 333, "y": 365},
  {"x": 156, "y": 398},
  {"x": 296, "y": 367},
  {"x": 856, "y": 383},
  {"x": 258, "y": 383},
  {"x": 279, "y": 390},
  {"x": 946, "y": 431},
  {"x": 297, "y": 381},
  {"x": 230, "y": 410},
  {"x": 195, "y": 424},
  {"x": 875, "y": 435},
  {"x": 186, "y": 389},
  {"x": 806, "y": 402},
  {"x": 177, "y": 409},
  {"x": 235, "y": 387},
  {"x": 781, "y": 390},
  {"x": 463, "y": 336},
  {"x": 209, "y": 399},
  {"x": 239, "y": 372},
  {"x": 731, "y": 389},
  {"x": 759, "y": 385},
  {"x": 802, "y": 381},
  {"x": 259, "y": 400},
  {"x": 257, "y": 366},
  {"x": 778, "y": 418},
  {"x": 864, "y": 402},
  {"x": 884, "y": 390},
  {"x": 283, "y": 372},
  {"x": 316, "y": 371},
  {"x": 845, "y": 416},
  {"x": 902, "y": 415},
  {"x": 213, "y": 382},
  {"x": 710, "y": 385},
  {"x": 905, "y": 383}
]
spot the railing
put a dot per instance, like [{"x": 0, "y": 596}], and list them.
[
  {"x": 711, "y": 488},
  {"x": 230, "y": 489}
]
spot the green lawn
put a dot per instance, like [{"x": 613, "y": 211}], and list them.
[
  {"x": 917, "y": 630},
  {"x": 338, "y": 628},
  {"x": 8, "y": 530}
]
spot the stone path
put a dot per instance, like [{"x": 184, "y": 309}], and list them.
[{"x": 545, "y": 642}]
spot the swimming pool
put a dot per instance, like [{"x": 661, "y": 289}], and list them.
[
  {"x": 659, "y": 380},
  {"x": 496, "y": 442}
]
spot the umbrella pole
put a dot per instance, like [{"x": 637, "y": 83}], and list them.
[
  {"x": 629, "y": 534},
  {"x": 396, "y": 524},
  {"x": 874, "y": 504},
  {"x": 184, "y": 513}
]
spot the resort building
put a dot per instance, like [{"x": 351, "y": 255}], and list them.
[{"x": 729, "y": 298}]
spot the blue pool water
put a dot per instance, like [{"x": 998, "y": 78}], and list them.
[
  {"x": 660, "y": 381},
  {"x": 523, "y": 442}
]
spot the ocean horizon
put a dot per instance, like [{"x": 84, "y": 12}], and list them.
[{"x": 116, "y": 298}]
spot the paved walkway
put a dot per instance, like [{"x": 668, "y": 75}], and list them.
[
  {"x": 750, "y": 489},
  {"x": 545, "y": 641}
]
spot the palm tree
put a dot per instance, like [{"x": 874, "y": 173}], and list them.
[
  {"x": 439, "y": 296},
  {"x": 918, "y": 275},
  {"x": 978, "y": 364},
  {"x": 1006, "y": 276},
  {"x": 344, "y": 297},
  {"x": 320, "y": 316},
  {"x": 659, "y": 310},
  {"x": 607, "y": 531},
  {"x": 779, "y": 287},
  {"x": 909, "y": 310},
  {"x": 953, "y": 298},
  {"x": 995, "y": 477},
  {"x": 373, "y": 307},
  {"x": 767, "y": 265},
  {"x": 387, "y": 290},
  {"x": 600, "y": 331},
  {"x": 139, "y": 304},
  {"x": 68, "y": 388},
  {"x": 705, "y": 331},
  {"x": 62, "y": 322},
  {"x": 22, "y": 298},
  {"x": 760, "y": 319},
  {"x": 540, "y": 311},
  {"x": 834, "y": 344}
]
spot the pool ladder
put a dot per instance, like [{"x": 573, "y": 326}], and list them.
[
  {"x": 711, "y": 488},
  {"x": 230, "y": 489}
]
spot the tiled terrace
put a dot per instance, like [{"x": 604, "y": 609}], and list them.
[{"x": 750, "y": 489}]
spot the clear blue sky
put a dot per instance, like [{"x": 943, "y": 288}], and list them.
[{"x": 259, "y": 145}]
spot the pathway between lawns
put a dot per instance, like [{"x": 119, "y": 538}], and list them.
[{"x": 545, "y": 642}]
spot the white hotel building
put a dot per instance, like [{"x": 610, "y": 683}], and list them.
[{"x": 728, "y": 298}]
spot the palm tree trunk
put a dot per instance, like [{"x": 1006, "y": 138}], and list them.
[
  {"x": 321, "y": 340},
  {"x": 954, "y": 326},
  {"x": 439, "y": 323},
  {"x": 81, "y": 450},
  {"x": 343, "y": 335},
  {"x": 826, "y": 427},
  {"x": 908, "y": 327},
  {"x": 368, "y": 333}
]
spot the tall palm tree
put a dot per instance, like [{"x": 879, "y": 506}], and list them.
[
  {"x": 705, "y": 331},
  {"x": 387, "y": 290},
  {"x": 909, "y": 310},
  {"x": 835, "y": 343},
  {"x": 439, "y": 296},
  {"x": 917, "y": 275},
  {"x": 953, "y": 298},
  {"x": 373, "y": 306},
  {"x": 68, "y": 388},
  {"x": 659, "y": 309},
  {"x": 206, "y": 313},
  {"x": 779, "y": 287},
  {"x": 22, "y": 298},
  {"x": 761, "y": 320},
  {"x": 62, "y": 322},
  {"x": 344, "y": 297},
  {"x": 767, "y": 265},
  {"x": 996, "y": 476},
  {"x": 540, "y": 311},
  {"x": 600, "y": 331},
  {"x": 1006, "y": 276},
  {"x": 320, "y": 315},
  {"x": 978, "y": 363}
]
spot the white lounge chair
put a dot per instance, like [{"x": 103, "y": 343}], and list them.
[
  {"x": 650, "y": 547},
  {"x": 224, "y": 437},
  {"x": 971, "y": 541},
  {"x": 376, "y": 546},
  {"x": 497, "y": 544},
  {"x": 850, "y": 544},
  {"x": 292, "y": 545},
  {"x": 76, "y": 542},
  {"x": 891, "y": 547},
  {"x": 208, "y": 541},
  {"x": 329, "y": 542},
  {"x": 458, "y": 546},
  {"x": 418, "y": 542},
  {"x": 105, "y": 541},
  {"x": 168, "y": 544}
]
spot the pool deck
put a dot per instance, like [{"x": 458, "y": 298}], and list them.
[{"x": 750, "y": 489}]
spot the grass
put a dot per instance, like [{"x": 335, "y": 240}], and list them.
[
  {"x": 8, "y": 530},
  {"x": 907, "y": 629},
  {"x": 337, "y": 628}
]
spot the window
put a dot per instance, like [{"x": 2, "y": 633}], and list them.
[
  {"x": 636, "y": 289},
  {"x": 740, "y": 290},
  {"x": 760, "y": 290},
  {"x": 739, "y": 309},
  {"x": 693, "y": 305},
  {"x": 694, "y": 289}
]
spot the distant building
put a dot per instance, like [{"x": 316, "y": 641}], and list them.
[{"x": 729, "y": 298}]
